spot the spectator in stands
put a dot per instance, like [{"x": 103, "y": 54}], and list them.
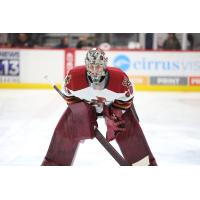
[
  {"x": 82, "y": 42},
  {"x": 64, "y": 43},
  {"x": 171, "y": 43},
  {"x": 6, "y": 45},
  {"x": 190, "y": 40},
  {"x": 23, "y": 41},
  {"x": 149, "y": 41}
]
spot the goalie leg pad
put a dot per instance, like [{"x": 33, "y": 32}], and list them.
[
  {"x": 133, "y": 143},
  {"x": 77, "y": 123}
]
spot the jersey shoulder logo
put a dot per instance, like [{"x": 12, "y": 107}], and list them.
[
  {"x": 126, "y": 83},
  {"x": 68, "y": 79}
]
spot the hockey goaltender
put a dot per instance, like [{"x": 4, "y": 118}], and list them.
[{"x": 97, "y": 90}]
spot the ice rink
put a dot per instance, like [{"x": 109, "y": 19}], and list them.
[{"x": 170, "y": 121}]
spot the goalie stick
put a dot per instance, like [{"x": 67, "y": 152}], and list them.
[{"x": 110, "y": 149}]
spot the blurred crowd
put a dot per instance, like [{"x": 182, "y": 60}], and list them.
[
  {"x": 106, "y": 41},
  {"x": 39, "y": 40}
]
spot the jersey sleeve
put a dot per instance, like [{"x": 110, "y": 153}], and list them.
[{"x": 125, "y": 100}]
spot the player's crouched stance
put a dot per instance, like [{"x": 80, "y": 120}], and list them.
[{"x": 96, "y": 90}]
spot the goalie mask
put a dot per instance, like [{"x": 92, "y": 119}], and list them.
[{"x": 96, "y": 62}]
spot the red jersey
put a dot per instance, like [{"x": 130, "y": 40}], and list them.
[{"x": 118, "y": 90}]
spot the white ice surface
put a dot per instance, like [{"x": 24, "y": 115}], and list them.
[{"x": 170, "y": 121}]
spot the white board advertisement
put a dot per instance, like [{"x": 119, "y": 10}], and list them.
[
  {"x": 31, "y": 65},
  {"x": 155, "y": 67}
]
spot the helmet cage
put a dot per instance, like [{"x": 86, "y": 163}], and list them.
[{"x": 96, "y": 62}]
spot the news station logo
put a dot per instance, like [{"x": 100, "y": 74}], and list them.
[
  {"x": 122, "y": 62},
  {"x": 9, "y": 66}
]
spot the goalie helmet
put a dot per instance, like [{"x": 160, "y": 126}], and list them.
[{"x": 96, "y": 62}]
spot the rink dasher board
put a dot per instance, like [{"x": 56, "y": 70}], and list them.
[{"x": 148, "y": 70}]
